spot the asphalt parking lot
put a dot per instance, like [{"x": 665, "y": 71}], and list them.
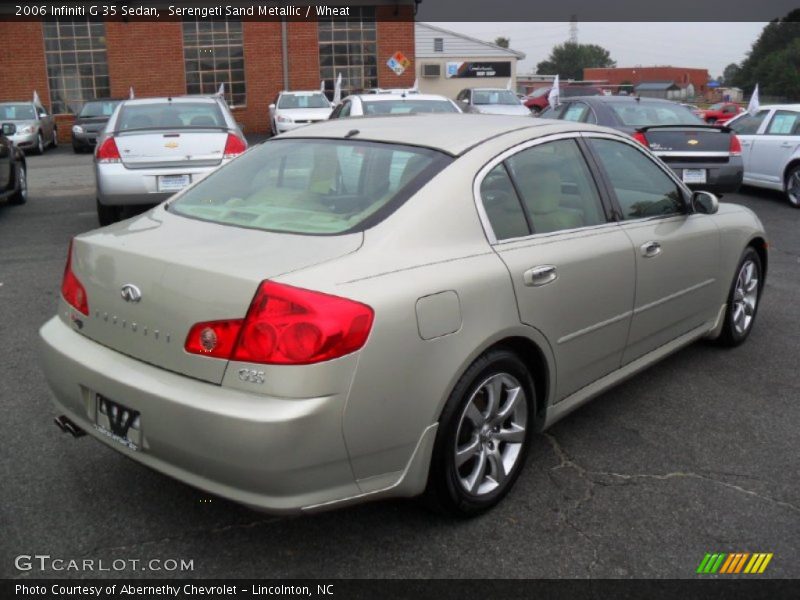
[{"x": 698, "y": 454}]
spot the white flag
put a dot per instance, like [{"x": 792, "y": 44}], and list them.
[
  {"x": 508, "y": 85},
  {"x": 337, "y": 90},
  {"x": 752, "y": 108},
  {"x": 131, "y": 95},
  {"x": 554, "y": 97},
  {"x": 221, "y": 90},
  {"x": 322, "y": 86},
  {"x": 36, "y": 99},
  {"x": 415, "y": 87}
]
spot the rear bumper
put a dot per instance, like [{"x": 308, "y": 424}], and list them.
[
  {"x": 274, "y": 454},
  {"x": 720, "y": 178},
  {"x": 118, "y": 185}
]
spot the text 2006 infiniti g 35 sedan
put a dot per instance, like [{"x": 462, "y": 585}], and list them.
[{"x": 390, "y": 306}]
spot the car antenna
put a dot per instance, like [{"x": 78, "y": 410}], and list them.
[{"x": 351, "y": 133}]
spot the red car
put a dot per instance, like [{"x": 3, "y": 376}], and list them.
[
  {"x": 721, "y": 112},
  {"x": 537, "y": 101}
]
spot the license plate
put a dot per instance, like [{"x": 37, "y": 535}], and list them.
[
  {"x": 172, "y": 183},
  {"x": 118, "y": 422},
  {"x": 694, "y": 176}
]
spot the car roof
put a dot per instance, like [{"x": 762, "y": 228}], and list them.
[
  {"x": 138, "y": 101},
  {"x": 301, "y": 92},
  {"x": 621, "y": 100},
  {"x": 17, "y": 102},
  {"x": 779, "y": 106},
  {"x": 449, "y": 132},
  {"x": 386, "y": 96}
]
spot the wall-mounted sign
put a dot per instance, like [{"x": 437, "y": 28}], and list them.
[
  {"x": 398, "y": 63},
  {"x": 478, "y": 69}
]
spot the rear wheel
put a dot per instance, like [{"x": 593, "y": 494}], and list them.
[
  {"x": 20, "y": 196},
  {"x": 483, "y": 437},
  {"x": 793, "y": 186},
  {"x": 106, "y": 214},
  {"x": 743, "y": 299},
  {"x": 54, "y": 141}
]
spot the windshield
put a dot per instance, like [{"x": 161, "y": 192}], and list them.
[
  {"x": 634, "y": 114},
  {"x": 311, "y": 186},
  {"x": 405, "y": 106},
  {"x": 17, "y": 112},
  {"x": 94, "y": 109},
  {"x": 716, "y": 106},
  {"x": 303, "y": 100},
  {"x": 494, "y": 97},
  {"x": 170, "y": 115}
]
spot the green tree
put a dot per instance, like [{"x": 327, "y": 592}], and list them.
[
  {"x": 568, "y": 60},
  {"x": 730, "y": 73},
  {"x": 772, "y": 61},
  {"x": 503, "y": 42}
]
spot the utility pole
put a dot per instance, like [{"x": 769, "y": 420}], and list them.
[{"x": 573, "y": 29}]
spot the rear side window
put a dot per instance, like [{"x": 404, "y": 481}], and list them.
[
  {"x": 502, "y": 206},
  {"x": 310, "y": 186},
  {"x": 170, "y": 115},
  {"x": 748, "y": 125},
  {"x": 402, "y": 106},
  {"x": 784, "y": 122},
  {"x": 636, "y": 114},
  {"x": 641, "y": 187},
  {"x": 578, "y": 112}
]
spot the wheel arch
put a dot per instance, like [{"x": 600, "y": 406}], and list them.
[
  {"x": 759, "y": 244},
  {"x": 793, "y": 163}
]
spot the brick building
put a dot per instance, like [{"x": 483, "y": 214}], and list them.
[
  {"x": 682, "y": 77},
  {"x": 73, "y": 60}
]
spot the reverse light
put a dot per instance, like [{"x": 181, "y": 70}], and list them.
[
  {"x": 234, "y": 146},
  {"x": 735, "y": 148},
  {"x": 107, "y": 152},
  {"x": 641, "y": 138},
  {"x": 286, "y": 325},
  {"x": 72, "y": 289}
]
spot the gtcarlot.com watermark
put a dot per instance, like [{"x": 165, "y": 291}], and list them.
[{"x": 45, "y": 562}]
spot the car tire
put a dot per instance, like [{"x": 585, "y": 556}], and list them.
[
  {"x": 536, "y": 111},
  {"x": 106, "y": 215},
  {"x": 483, "y": 437},
  {"x": 743, "y": 299},
  {"x": 54, "y": 141},
  {"x": 76, "y": 148},
  {"x": 711, "y": 121},
  {"x": 20, "y": 195},
  {"x": 792, "y": 186},
  {"x": 39, "y": 144}
]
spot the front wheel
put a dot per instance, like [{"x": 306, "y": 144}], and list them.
[
  {"x": 793, "y": 186},
  {"x": 39, "y": 144},
  {"x": 743, "y": 299},
  {"x": 54, "y": 141},
  {"x": 483, "y": 437},
  {"x": 20, "y": 196},
  {"x": 106, "y": 215}
]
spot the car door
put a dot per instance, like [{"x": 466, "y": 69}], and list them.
[
  {"x": 45, "y": 123},
  {"x": 747, "y": 128},
  {"x": 572, "y": 268},
  {"x": 6, "y": 163},
  {"x": 677, "y": 251},
  {"x": 772, "y": 150}
]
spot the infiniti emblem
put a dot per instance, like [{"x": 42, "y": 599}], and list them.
[{"x": 131, "y": 293}]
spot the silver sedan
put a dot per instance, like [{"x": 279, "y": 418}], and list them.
[{"x": 390, "y": 307}]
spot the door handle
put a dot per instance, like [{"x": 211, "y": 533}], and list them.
[
  {"x": 540, "y": 275},
  {"x": 786, "y": 145},
  {"x": 650, "y": 249}
]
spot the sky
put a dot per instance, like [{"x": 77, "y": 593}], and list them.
[{"x": 701, "y": 45}]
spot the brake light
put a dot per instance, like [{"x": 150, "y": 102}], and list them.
[
  {"x": 286, "y": 325},
  {"x": 107, "y": 152},
  {"x": 641, "y": 138},
  {"x": 736, "y": 146},
  {"x": 234, "y": 146},
  {"x": 72, "y": 289}
]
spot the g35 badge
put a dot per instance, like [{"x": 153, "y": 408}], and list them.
[{"x": 251, "y": 376}]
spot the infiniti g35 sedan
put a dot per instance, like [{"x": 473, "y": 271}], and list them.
[{"x": 390, "y": 307}]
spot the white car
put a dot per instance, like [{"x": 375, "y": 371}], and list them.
[
  {"x": 384, "y": 103},
  {"x": 771, "y": 148},
  {"x": 295, "y": 109},
  {"x": 491, "y": 101}
]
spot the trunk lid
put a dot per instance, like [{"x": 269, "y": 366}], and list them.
[
  {"x": 190, "y": 148},
  {"x": 187, "y": 271},
  {"x": 712, "y": 144}
]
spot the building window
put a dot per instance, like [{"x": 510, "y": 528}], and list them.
[
  {"x": 213, "y": 54},
  {"x": 438, "y": 44},
  {"x": 348, "y": 46},
  {"x": 77, "y": 65}
]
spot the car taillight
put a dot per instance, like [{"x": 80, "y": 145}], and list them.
[
  {"x": 107, "y": 152},
  {"x": 72, "y": 289},
  {"x": 736, "y": 146},
  {"x": 234, "y": 146},
  {"x": 641, "y": 138},
  {"x": 286, "y": 325}
]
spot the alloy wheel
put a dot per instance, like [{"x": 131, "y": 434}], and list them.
[
  {"x": 793, "y": 188},
  {"x": 745, "y": 297}
]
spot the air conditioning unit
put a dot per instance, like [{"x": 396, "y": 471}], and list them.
[{"x": 431, "y": 70}]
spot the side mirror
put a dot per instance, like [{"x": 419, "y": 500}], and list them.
[
  {"x": 464, "y": 101},
  {"x": 9, "y": 129},
  {"x": 272, "y": 106},
  {"x": 705, "y": 203}
]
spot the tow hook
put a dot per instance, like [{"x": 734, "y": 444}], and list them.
[{"x": 67, "y": 426}]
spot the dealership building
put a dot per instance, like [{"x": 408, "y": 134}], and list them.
[{"x": 72, "y": 60}]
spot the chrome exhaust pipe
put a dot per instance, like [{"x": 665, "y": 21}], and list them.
[{"x": 67, "y": 426}]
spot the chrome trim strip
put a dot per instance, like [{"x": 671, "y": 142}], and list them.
[
  {"x": 660, "y": 301},
  {"x": 571, "y": 336},
  {"x": 689, "y": 153}
]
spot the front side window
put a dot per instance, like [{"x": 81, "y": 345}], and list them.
[
  {"x": 404, "y": 106},
  {"x": 641, "y": 187},
  {"x": 349, "y": 46},
  {"x": 304, "y": 100},
  {"x": 170, "y": 115},
  {"x": 748, "y": 124},
  {"x": 77, "y": 64},
  {"x": 213, "y": 54},
  {"x": 556, "y": 187},
  {"x": 494, "y": 97},
  {"x": 784, "y": 122},
  {"x": 311, "y": 186}
]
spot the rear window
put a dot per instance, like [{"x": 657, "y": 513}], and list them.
[
  {"x": 98, "y": 109},
  {"x": 170, "y": 115},
  {"x": 403, "y": 106},
  {"x": 494, "y": 97},
  {"x": 306, "y": 100},
  {"x": 571, "y": 92},
  {"x": 307, "y": 186},
  {"x": 17, "y": 112},
  {"x": 634, "y": 114}
]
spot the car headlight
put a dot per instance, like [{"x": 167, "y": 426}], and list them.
[
  {"x": 283, "y": 119},
  {"x": 77, "y": 129},
  {"x": 26, "y": 129}
]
